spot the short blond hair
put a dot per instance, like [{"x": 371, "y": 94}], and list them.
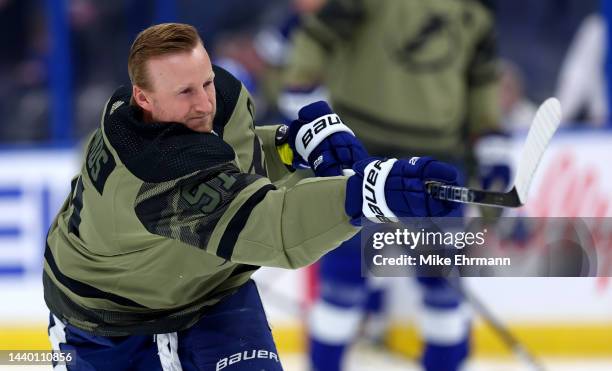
[{"x": 161, "y": 39}]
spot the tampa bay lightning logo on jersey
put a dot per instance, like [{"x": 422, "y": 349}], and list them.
[{"x": 434, "y": 46}]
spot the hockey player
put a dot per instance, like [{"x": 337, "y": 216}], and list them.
[
  {"x": 409, "y": 77},
  {"x": 180, "y": 199}
]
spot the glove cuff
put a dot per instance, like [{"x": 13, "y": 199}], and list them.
[
  {"x": 374, "y": 202},
  {"x": 365, "y": 193}
]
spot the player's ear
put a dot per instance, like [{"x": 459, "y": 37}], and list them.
[{"x": 140, "y": 98}]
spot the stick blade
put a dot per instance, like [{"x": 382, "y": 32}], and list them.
[{"x": 543, "y": 126}]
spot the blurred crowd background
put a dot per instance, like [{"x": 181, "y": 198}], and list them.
[{"x": 61, "y": 59}]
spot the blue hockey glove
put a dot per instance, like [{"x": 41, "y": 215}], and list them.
[
  {"x": 320, "y": 139},
  {"x": 493, "y": 154},
  {"x": 391, "y": 188}
]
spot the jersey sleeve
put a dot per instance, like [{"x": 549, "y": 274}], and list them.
[
  {"x": 244, "y": 218},
  {"x": 317, "y": 36},
  {"x": 276, "y": 168},
  {"x": 306, "y": 64}
]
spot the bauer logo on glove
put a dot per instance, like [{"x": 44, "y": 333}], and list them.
[
  {"x": 320, "y": 139},
  {"x": 374, "y": 202},
  {"x": 313, "y": 133}
]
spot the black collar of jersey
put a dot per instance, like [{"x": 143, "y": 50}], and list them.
[{"x": 158, "y": 152}]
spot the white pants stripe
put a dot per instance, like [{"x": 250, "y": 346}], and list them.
[
  {"x": 334, "y": 325},
  {"x": 57, "y": 335},
  {"x": 167, "y": 345},
  {"x": 445, "y": 326}
]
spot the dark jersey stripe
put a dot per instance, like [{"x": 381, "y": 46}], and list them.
[
  {"x": 83, "y": 289},
  {"x": 243, "y": 268},
  {"x": 235, "y": 226},
  {"x": 77, "y": 202}
]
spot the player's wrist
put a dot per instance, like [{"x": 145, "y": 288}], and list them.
[{"x": 283, "y": 149}]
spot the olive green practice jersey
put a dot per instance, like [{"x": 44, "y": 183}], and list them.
[
  {"x": 404, "y": 75},
  {"x": 163, "y": 222}
]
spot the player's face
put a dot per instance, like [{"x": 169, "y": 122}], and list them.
[{"x": 182, "y": 89}]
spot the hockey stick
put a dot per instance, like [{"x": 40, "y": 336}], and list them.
[
  {"x": 498, "y": 327},
  {"x": 544, "y": 125}
]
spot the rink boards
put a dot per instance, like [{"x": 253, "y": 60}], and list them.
[{"x": 553, "y": 316}]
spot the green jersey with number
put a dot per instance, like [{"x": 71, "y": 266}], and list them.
[
  {"x": 163, "y": 222},
  {"x": 410, "y": 77}
]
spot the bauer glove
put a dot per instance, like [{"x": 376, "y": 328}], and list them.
[
  {"x": 321, "y": 140},
  {"x": 389, "y": 188}
]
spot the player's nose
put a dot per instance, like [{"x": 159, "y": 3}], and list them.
[{"x": 204, "y": 102}]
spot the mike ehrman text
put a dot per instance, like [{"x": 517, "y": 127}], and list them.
[{"x": 437, "y": 260}]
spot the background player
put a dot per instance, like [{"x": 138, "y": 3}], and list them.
[{"x": 410, "y": 77}]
